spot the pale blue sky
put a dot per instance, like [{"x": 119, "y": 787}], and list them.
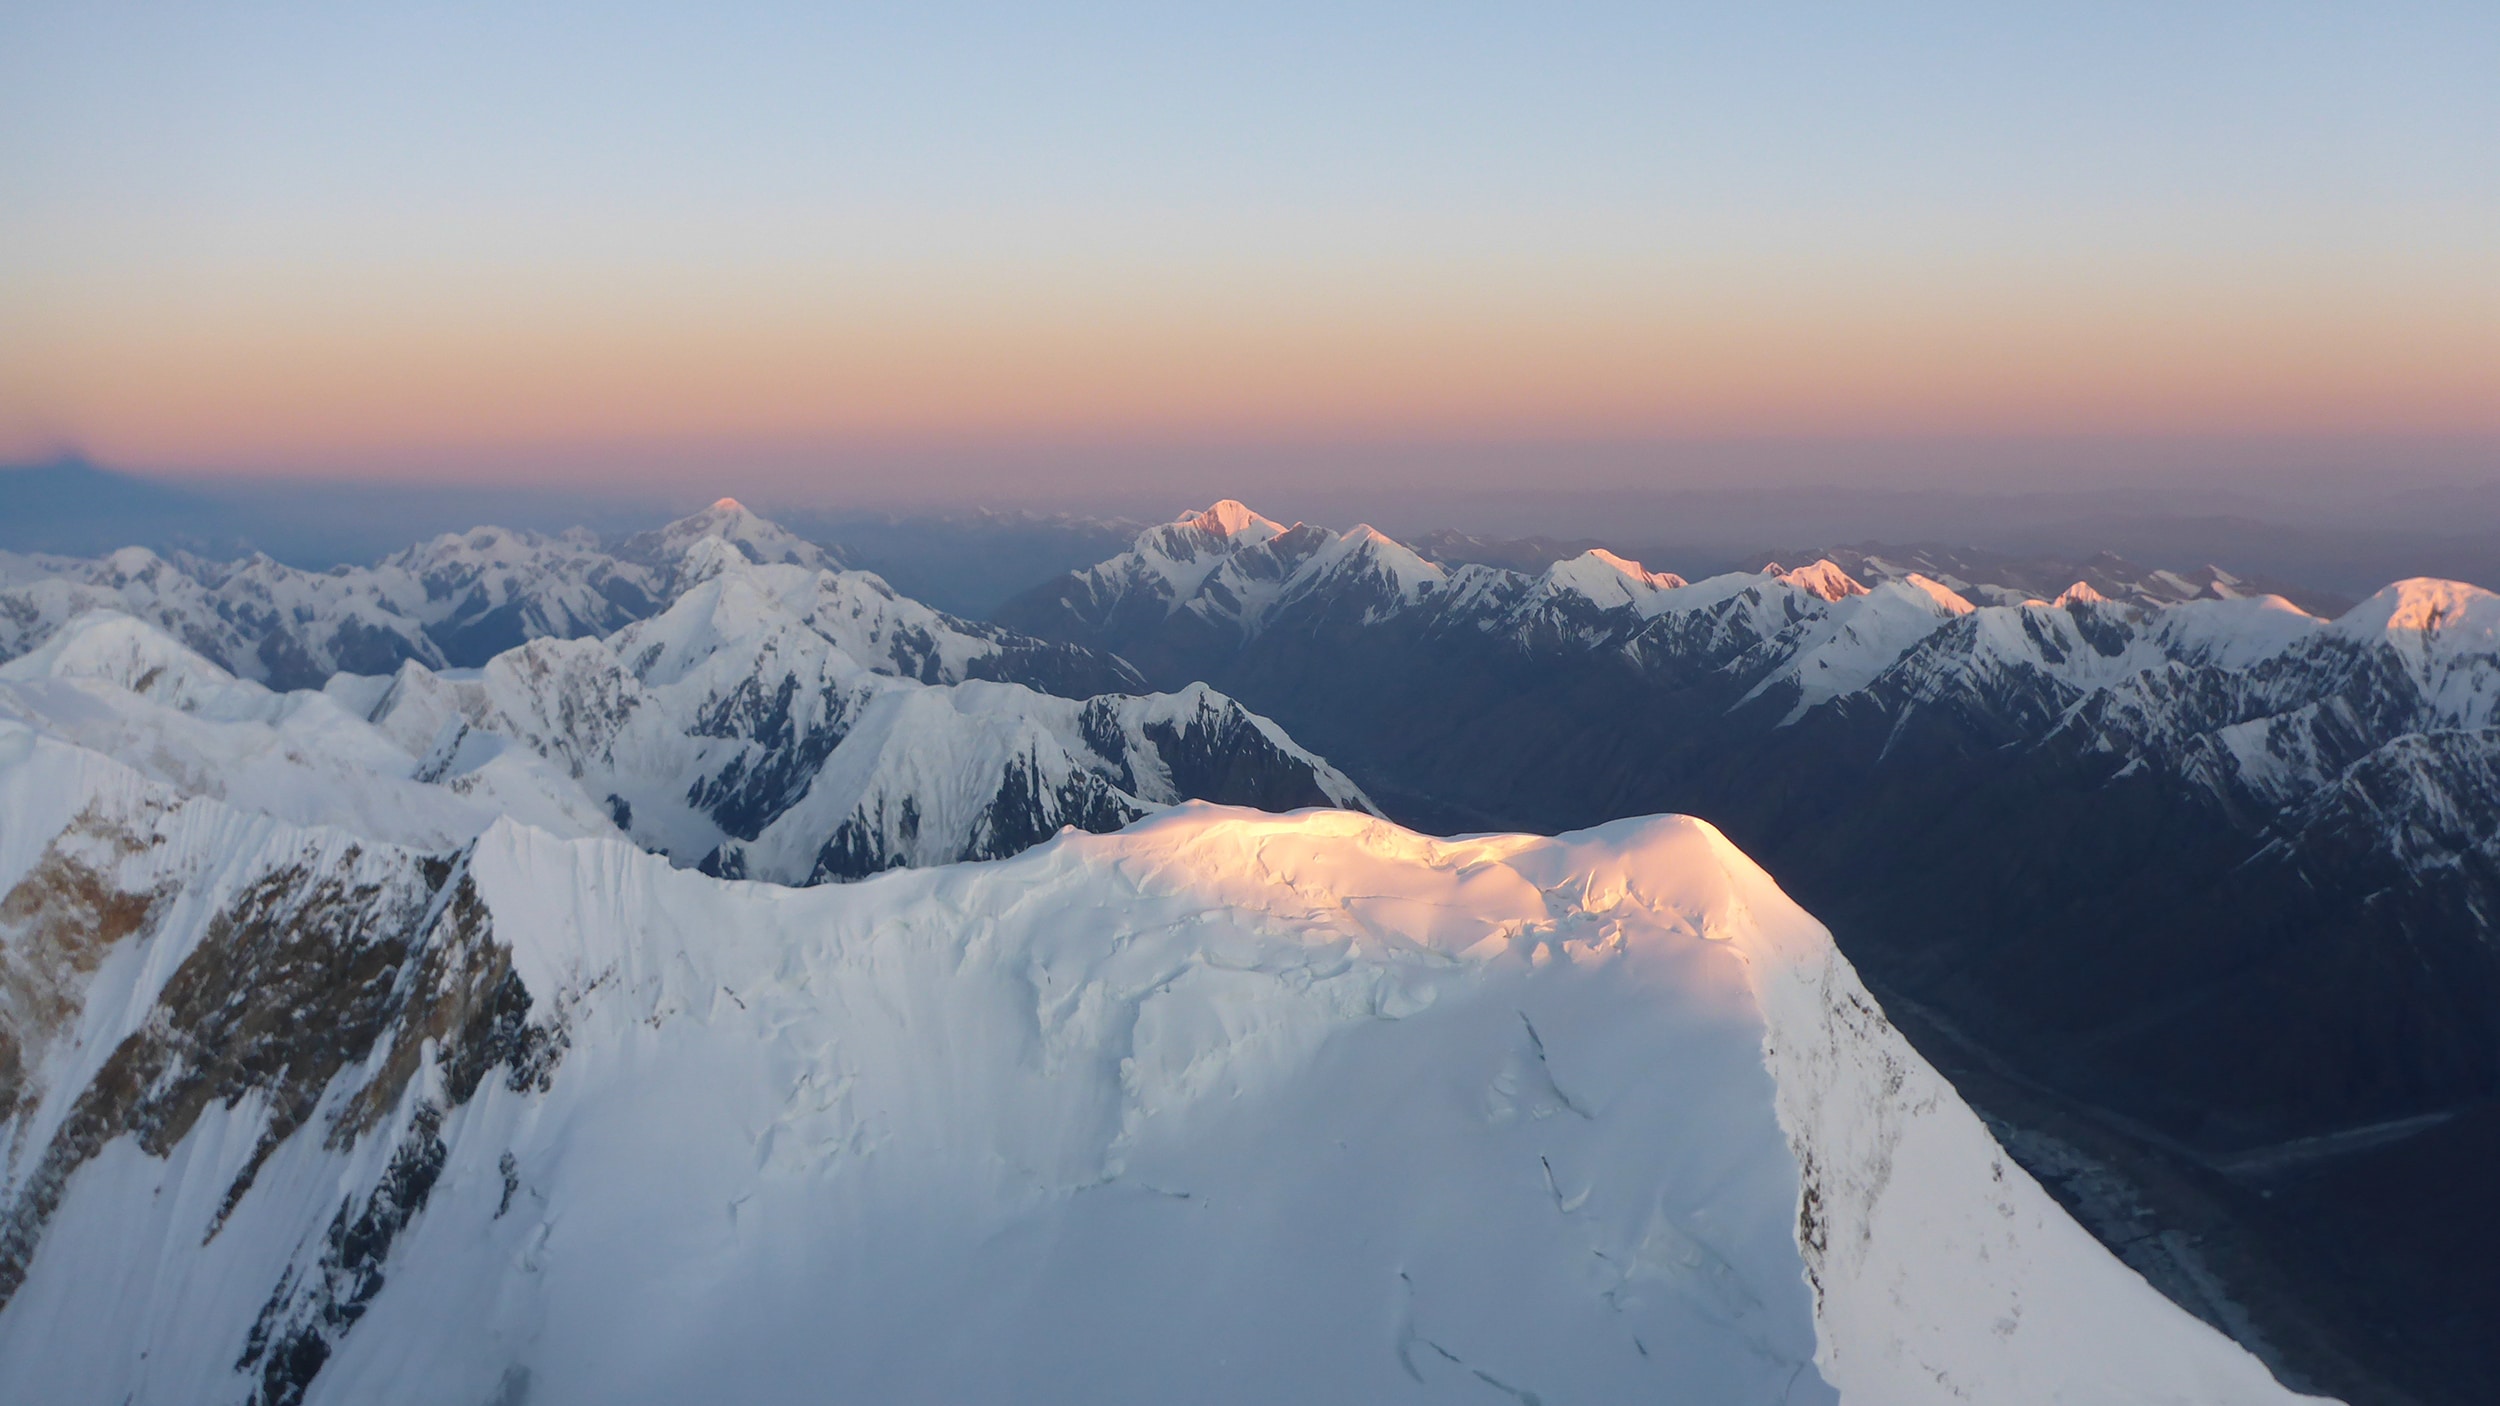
[{"x": 293, "y": 180}]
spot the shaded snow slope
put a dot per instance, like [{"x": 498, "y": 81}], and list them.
[
  {"x": 730, "y": 732},
  {"x": 1227, "y": 1107}
]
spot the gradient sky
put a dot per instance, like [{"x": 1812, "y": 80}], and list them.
[{"x": 812, "y": 243}]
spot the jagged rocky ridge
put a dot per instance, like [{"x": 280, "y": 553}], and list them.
[
  {"x": 296, "y": 1116},
  {"x": 2218, "y": 877}
]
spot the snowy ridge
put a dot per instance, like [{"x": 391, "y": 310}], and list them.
[
  {"x": 463, "y": 598},
  {"x": 2247, "y": 696},
  {"x": 1593, "y": 1117},
  {"x": 120, "y": 687},
  {"x": 1198, "y": 578},
  {"x": 1992, "y": 578},
  {"x": 735, "y": 730}
]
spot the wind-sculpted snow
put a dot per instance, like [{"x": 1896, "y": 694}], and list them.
[{"x": 1226, "y": 1107}]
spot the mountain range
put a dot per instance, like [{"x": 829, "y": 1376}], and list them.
[
  {"x": 777, "y": 718},
  {"x": 2100, "y": 855},
  {"x": 412, "y": 953}
]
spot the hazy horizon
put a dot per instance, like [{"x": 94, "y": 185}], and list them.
[{"x": 966, "y": 255}]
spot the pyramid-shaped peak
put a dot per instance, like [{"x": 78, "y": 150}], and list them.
[
  {"x": 757, "y": 538},
  {"x": 1825, "y": 579},
  {"x": 1230, "y": 517},
  {"x": 1608, "y": 579}
]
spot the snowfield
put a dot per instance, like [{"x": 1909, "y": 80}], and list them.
[{"x": 1226, "y": 1107}]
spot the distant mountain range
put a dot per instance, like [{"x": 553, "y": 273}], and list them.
[
  {"x": 714, "y": 689},
  {"x": 2114, "y": 852}
]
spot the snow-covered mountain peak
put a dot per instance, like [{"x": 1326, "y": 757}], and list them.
[
  {"x": 130, "y": 564},
  {"x": 2465, "y": 617},
  {"x": 1230, "y": 517},
  {"x": 758, "y": 539},
  {"x": 1373, "y": 547},
  {"x": 483, "y": 546},
  {"x": 1362, "y": 558},
  {"x": 106, "y": 646},
  {"x": 725, "y": 608},
  {"x": 2080, "y": 593},
  {"x": 1824, "y": 580},
  {"x": 1940, "y": 596},
  {"x": 1609, "y": 581}
]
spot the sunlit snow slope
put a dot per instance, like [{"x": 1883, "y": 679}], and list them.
[{"x": 1227, "y": 1107}]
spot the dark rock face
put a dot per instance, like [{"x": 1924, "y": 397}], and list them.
[
  {"x": 1027, "y": 810},
  {"x": 1062, "y": 669},
  {"x": 2087, "y": 891},
  {"x": 774, "y": 773},
  {"x": 322, "y": 983},
  {"x": 1216, "y": 755},
  {"x": 291, "y": 1340}
]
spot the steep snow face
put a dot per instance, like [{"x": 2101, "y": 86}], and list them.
[
  {"x": 1847, "y": 647},
  {"x": 1824, "y": 580},
  {"x": 1601, "y": 1117}
]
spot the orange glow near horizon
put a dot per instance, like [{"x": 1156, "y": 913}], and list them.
[
  {"x": 406, "y": 239},
  {"x": 286, "y": 373}
]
